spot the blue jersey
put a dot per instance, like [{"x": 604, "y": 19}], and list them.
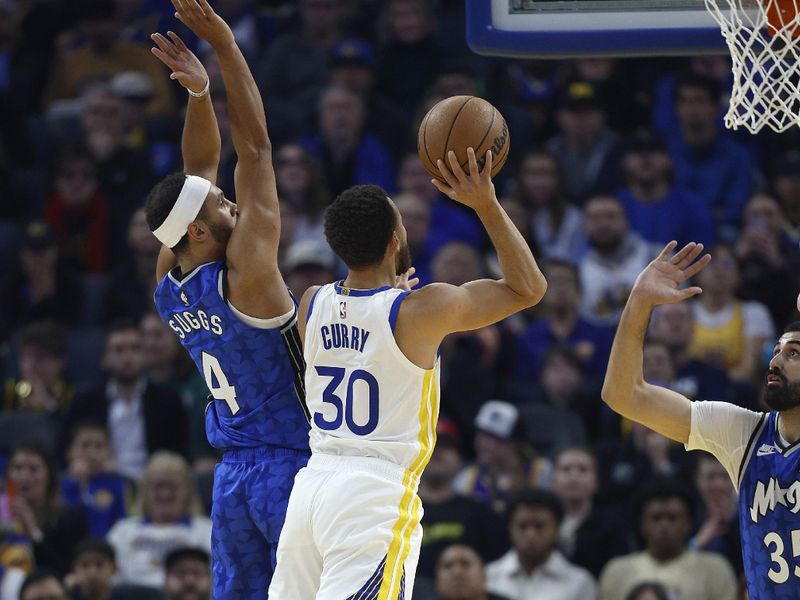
[
  {"x": 769, "y": 503},
  {"x": 253, "y": 367}
]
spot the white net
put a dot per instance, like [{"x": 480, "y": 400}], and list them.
[{"x": 762, "y": 36}]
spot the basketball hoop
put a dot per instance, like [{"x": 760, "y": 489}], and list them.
[{"x": 763, "y": 37}]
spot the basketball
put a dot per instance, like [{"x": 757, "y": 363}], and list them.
[{"x": 458, "y": 123}]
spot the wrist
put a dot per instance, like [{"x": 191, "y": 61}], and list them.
[
  {"x": 203, "y": 93},
  {"x": 491, "y": 208}
]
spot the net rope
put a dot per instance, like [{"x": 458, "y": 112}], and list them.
[{"x": 762, "y": 36}]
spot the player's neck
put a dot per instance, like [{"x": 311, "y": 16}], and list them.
[
  {"x": 369, "y": 279},
  {"x": 789, "y": 425},
  {"x": 196, "y": 257}
]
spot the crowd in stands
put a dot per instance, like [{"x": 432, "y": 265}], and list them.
[{"x": 535, "y": 489}]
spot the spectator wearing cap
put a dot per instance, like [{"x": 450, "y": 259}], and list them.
[
  {"x": 664, "y": 512},
  {"x": 41, "y": 286},
  {"x": 586, "y": 150},
  {"x": 705, "y": 161},
  {"x": 354, "y": 64},
  {"x": 504, "y": 463},
  {"x": 77, "y": 213},
  {"x": 41, "y": 387},
  {"x": 294, "y": 69},
  {"x": 188, "y": 574},
  {"x": 102, "y": 56},
  {"x": 534, "y": 568},
  {"x": 350, "y": 154},
  {"x": 308, "y": 263},
  {"x": 461, "y": 575},
  {"x": 451, "y": 518},
  {"x": 303, "y": 189},
  {"x": 658, "y": 209}
]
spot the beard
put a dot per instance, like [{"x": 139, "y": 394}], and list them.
[
  {"x": 221, "y": 233},
  {"x": 783, "y": 396},
  {"x": 403, "y": 259}
]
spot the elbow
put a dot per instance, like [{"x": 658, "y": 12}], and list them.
[
  {"x": 620, "y": 397},
  {"x": 533, "y": 293}
]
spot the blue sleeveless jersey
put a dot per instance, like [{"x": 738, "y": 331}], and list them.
[
  {"x": 769, "y": 514},
  {"x": 253, "y": 370}
]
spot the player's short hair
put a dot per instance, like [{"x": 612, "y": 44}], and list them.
[
  {"x": 535, "y": 499},
  {"x": 359, "y": 225},
  {"x": 793, "y": 326},
  {"x": 160, "y": 201},
  {"x": 94, "y": 545},
  {"x": 663, "y": 488}
]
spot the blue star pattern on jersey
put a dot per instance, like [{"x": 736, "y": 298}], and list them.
[
  {"x": 249, "y": 507},
  {"x": 251, "y": 372},
  {"x": 769, "y": 501}
]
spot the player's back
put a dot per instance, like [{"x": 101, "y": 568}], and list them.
[
  {"x": 253, "y": 367},
  {"x": 365, "y": 397}
]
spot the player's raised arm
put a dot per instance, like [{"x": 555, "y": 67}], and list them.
[
  {"x": 476, "y": 304},
  {"x": 624, "y": 388},
  {"x": 253, "y": 277},
  {"x": 200, "y": 144}
]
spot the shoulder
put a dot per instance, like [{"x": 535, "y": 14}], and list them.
[
  {"x": 709, "y": 561},
  {"x": 619, "y": 566},
  {"x": 123, "y": 529},
  {"x": 502, "y": 565}
]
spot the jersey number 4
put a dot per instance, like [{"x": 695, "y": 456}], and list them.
[
  {"x": 345, "y": 408},
  {"x": 221, "y": 389}
]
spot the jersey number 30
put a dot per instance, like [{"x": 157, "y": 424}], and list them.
[
  {"x": 222, "y": 390},
  {"x": 345, "y": 409}
]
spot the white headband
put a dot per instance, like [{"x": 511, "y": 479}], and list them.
[{"x": 189, "y": 202}]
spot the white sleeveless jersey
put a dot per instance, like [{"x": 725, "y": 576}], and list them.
[{"x": 365, "y": 397}]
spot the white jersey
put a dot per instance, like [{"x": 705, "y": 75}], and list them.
[{"x": 365, "y": 397}]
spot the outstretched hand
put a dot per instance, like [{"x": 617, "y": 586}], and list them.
[
  {"x": 405, "y": 281},
  {"x": 198, "y": 16},
  {"x": 186, "y": 67},
  {"x": 475, "y": 190},
  {"x": 660, "y": 281}
]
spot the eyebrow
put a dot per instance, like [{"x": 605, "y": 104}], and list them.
[{"x": 796, "y": 342}]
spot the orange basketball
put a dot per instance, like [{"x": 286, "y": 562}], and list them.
[
  {"x": 458, "y": 123},
  {"x": 782, "y": 18}
]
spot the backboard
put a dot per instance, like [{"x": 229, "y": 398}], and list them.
[{"x": 576, "y": 28}]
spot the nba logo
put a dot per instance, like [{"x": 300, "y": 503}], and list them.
[
  {"x": 184, "y": 298},
  {"x": 342, "y": 310}
]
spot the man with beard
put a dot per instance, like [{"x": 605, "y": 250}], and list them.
[
  {"x": 230, "y": 308},
  {"x": 758, "y": 450},
  {"x": 353, "y": 524}
]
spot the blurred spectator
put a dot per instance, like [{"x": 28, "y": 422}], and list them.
[
  {"x": 301, "y": 184},
  {"x": 785, "y": 182},
  {"x": 41, "y": 387},
  {"x": 504, "y": 464},
  {"x": 557, "y": 411},
  {"x": 728, "y": 332},
  {"x": 170, "y": 518},
  {"x": 709, "y": 164},
  {"x": 168, "y": 364},
  {"x": 104, "y": 55},
  {"x": 77, "y": 212},
  {"x": 460, "y": 575},
  {"x": 615, "y": 258},
  {"x": 11, "y": 580},
  {"x": 449, "y": 221},
  {"x": 557, "y": 228},
  {"x": 586, "y": 150},
  {"x": 294, "y": 69},
  {"x": 664, "y": 509},
  {"x": 589, "y": 536},
  {"x": 141, "y": 416},
  {"x": 188, "y": 574},
  {"x": 43, "y": 584},
  {"x": 657, "y": 208},
  {"x": 410, "y": 56},
  {"x": 349, "y": 153},
  {"x": 648, "y": 591},
  {"x": 131, "y": 283},
  {"x": 450, "y": 518},
  {"x": 673, "y": 325},
  {"x": 469, "y": 359},
  {"x": 768, "y": 259},
  {"x": 353, "y": 63},
  {"x": 718, "y": 514},
  {"x": 561, "y": 323},
  {"x": 534, "y": 568},
  {"x": 91, "y": 484},
  {"x": 52, "y": 530},
  {"x": 308, "y": 263},
  {"x": 416, "y": 215},
  {"x": 41, "y": 286}
]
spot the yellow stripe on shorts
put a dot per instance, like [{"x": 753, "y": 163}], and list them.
[{"x": 410, "y": 505}]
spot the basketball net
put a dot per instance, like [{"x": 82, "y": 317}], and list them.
[{"x": 763, "y": 37}]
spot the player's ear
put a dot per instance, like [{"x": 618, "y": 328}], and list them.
[
  {"x": 197, "y": 231},
  {"x": 394, "y": 243}
]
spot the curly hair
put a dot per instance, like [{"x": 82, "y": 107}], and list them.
[
  {"x": 359, "y": 225},
  {"x": 160, "y": 202}
]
